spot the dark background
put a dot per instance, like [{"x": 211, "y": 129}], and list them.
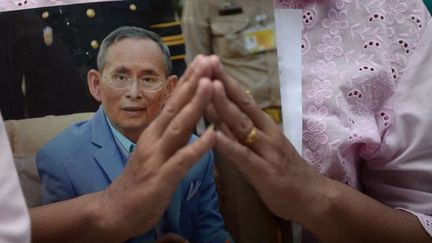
[{"x": 54, "y": 76}]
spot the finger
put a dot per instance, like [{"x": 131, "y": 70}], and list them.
[
  {"x": 189, "y": 70},
  {"x": 243, "y": 100},
  {"x": 225, "y": 130},
  {"x": 181, "y": 96},
  {"x": 179, "y": 164},
  {"x": 239, "y": 123},
  {"x": 198, "y": 68},
  {"x": 179, "y": 130},
  {"x": 249, "y": 164},
  {"x": 211, "y": 114},
  {"x": 213, "y": 117}
]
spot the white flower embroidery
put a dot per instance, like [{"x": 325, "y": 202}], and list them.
[
  {"x": 330, "y": 46},
  {"x": 340, "y": 4},
  {"x": 324, "y": 69},
  {"x": 314, "y": 133},
  {"x": 318, "y": 114},
  {"x": 397, "y": 8},
  {"x": 336, "y": 21},
  {"x": 314, "y": 159},
  {"x": 320, "y": 91}
]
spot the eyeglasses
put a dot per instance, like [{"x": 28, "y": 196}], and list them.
[{"x": 146, "y": 82}]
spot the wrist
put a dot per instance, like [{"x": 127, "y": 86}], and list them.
[
  {"x": 326, "y": 203},
  {"x": 316, "y": 198},
  {"x": 107, "y": 219}
]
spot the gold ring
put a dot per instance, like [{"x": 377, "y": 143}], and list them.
[{"x": 251, "y": 137}]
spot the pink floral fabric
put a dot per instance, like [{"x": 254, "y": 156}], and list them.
[
  {"x": 356, "y": 56},
  {"x": 290, "y": 3},
  {"x": 10, "y": 5}
]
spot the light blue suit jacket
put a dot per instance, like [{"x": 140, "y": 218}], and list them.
[{"x": 85, "y": 159}]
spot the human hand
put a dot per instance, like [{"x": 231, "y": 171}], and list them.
[
  {"x": 137, "y": 199},
  {"x": 268, "y": 160}
]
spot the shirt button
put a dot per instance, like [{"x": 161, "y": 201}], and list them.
[
  {"x": 48, "y": 36},
  {"x": 133, "y": 7},
  {"x": 94, "y": 44},
  {"x": 90, "y": 13},
  {"x": 45, "y": 14}
]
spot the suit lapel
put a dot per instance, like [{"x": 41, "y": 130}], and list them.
[
  {"x": 108, "y": 156},
  {"x": 109, "y": 159},
  {"x": 174, "y": 208}
]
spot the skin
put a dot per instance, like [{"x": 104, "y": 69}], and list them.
[
  {"x": 130, "y": 110},
  {"x": 293, "y": 190},
  {"x": 134, "y": 202},
  {"x": 285, "y": 182}
]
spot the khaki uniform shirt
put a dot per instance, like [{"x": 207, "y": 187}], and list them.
[{"x": 206, "y": 31}]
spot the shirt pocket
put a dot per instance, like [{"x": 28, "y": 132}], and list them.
[{"x": 227, "y": 34}]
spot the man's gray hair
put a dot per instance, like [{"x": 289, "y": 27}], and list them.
[{"x": 134, "y": 33}]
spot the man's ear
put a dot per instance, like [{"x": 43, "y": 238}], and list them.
[
  {"x": 94, "y": 83},
  {"x": 171, "y": 84}
]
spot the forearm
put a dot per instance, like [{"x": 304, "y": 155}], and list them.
[
  {"x": 341, "y": 214},
  {"x": 77, "y": 220}
]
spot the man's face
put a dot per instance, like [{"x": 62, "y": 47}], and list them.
[{"x": 131, "y": 108}]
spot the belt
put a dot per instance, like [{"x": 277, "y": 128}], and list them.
[{"x": 275, "y": 113}]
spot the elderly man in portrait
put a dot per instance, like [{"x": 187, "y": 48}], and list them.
[{"x": 132, "y": 84}]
